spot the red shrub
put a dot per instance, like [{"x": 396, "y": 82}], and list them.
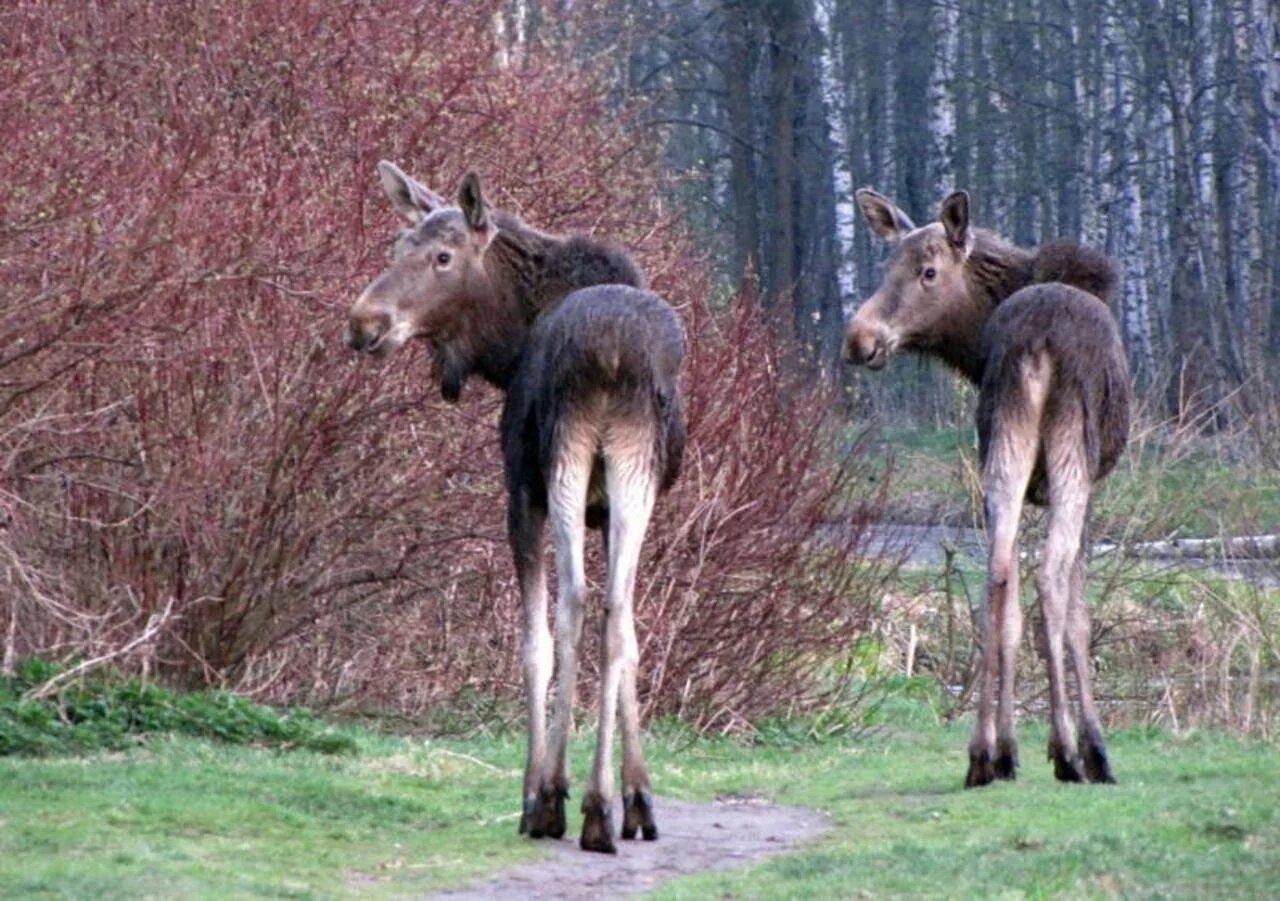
[{"x": 191, "y": 205}]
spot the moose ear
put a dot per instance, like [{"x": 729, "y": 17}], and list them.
[
  {"x": 954, "y": 216},
  {"x": 411, "y": 199},
  {"x": 471, "y": 201},
  {"x": 885, "y": 219}
]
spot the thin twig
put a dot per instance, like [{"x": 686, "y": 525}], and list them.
[{"x": 154, "y": 624}]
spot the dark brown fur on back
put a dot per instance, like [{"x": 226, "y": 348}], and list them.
[
  {"x": 541, "y": 269},
  {"x": 592, "y": 328},
  {"x": 1064, "y": 318},
  {"x": 1077, "y": 265},
  {"x": 1088, "y": 369}
]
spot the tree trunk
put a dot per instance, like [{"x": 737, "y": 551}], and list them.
[
  {"x": 780, "y": 274},
  {"x": 739, "y": 67}
]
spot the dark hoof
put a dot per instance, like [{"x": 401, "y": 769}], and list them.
[
  {"x": 637, "y": 813},
  {"x": 1096, "y": 765},
  {"x": 981, "y": 770},
  {"x": 546, "y": 819},
  {"x": 1066, "y": 767},
  {"x": 597, "y": 825},
  {"x": 1005, "y": 765}
]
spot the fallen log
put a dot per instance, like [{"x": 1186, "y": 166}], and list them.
[{"x": 1244, "y": 547}]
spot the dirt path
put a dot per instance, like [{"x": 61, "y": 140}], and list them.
[{"x": 726, "y": 834}]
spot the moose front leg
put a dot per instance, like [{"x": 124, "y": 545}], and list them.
[{"x": 637, "y": 794}]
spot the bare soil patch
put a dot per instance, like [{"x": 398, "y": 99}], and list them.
[{"x": 729, "y": 833}]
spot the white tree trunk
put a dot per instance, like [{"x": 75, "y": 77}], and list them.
[{"x": 942, "y": 118}]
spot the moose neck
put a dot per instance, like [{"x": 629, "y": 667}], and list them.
[
  {"x": 993, "y": 271},
  {"x": 530, "y": 272}
]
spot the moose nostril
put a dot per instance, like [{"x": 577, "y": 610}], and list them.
[
  {"x": 363, "y": 332},
  {"x": 854, "y": 349},
  {"x": 863, "y": 347},
  {"x": 354, "y": 337}
]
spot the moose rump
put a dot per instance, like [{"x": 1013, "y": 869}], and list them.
[
  {"x": 1067, "y": 330},
  {"x": 598, "y": 379}
]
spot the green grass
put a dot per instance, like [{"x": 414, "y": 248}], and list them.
[
  {"x": 1190, "y": 817},
  {"x": 927, "y": 468},
  {"x": 189, "y": 817}
]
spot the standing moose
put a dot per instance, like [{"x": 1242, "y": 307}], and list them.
[
  {"x": 1032, "y": 329},
  {"x": 592, "y": 431}
]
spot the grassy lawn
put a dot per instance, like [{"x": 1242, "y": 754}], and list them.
[
  {"x": 1190, "y": 817},
  {"x": 189, "y": 817}
]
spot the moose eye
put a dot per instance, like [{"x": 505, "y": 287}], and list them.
[
  {"x": 930, "y": 273},
  {"x": 443, "y": 258}
]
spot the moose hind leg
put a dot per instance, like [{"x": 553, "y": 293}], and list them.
[
  {"x": 1092, "y": 747},
  {"x": 1068, "y": 506},
  {"x": 637, "y": 793},
  {"x": 993, "y": 750},
  {"x": 567, "y": 496},
  {"x": 631, "y": 486},
  {"x": 525, "y": 524}
]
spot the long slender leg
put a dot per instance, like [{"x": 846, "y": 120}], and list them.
[
  {"x": 631, "y": 488},
  {"x": 524, "y": 526},
  {"x": 993, "y": 750},
  {"x": 1069, "y": 486},
  {"x": 983, "y": 742},
  {"x": 1006, "y": 759},
  {"x": 1010, "y": 459},
  {"x": 1093, "y": 748},
  {"x": 567, "y": 498},
  {"x": 637, "y": 794}
]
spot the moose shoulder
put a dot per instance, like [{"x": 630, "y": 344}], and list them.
[{"x": 1031, "y": 327}]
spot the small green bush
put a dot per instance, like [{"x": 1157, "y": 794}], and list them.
[{"x": 110, "y": 712}]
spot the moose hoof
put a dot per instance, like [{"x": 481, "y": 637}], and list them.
[
  {"x": 1005, "y": 765},
  {"x": 1067, "y": 767},
  {"x": 981, "y": 769},
  {"x": 546, "y": 819},
  {"x": 1096, "y": 766},
  {"x": 597, "y": 825},
  {"x": 637, "y": 814}
]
